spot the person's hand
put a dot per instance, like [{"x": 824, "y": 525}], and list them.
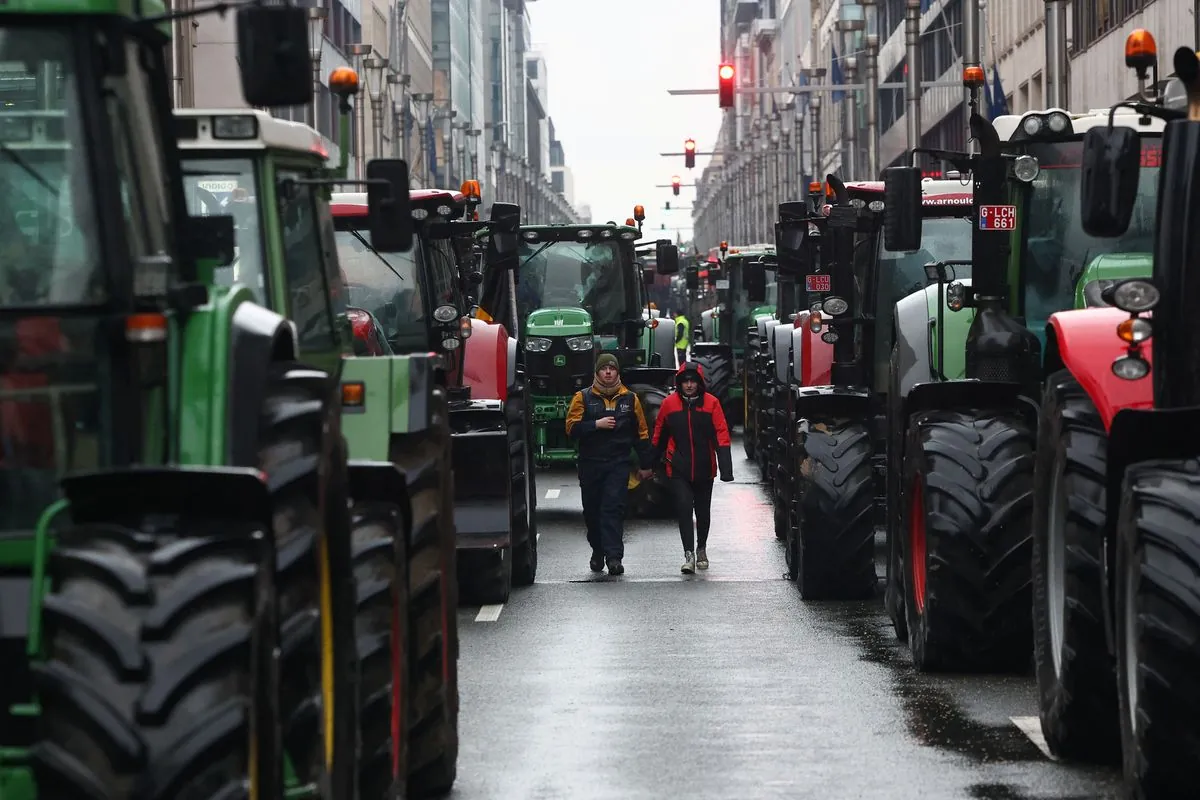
[
  {"x": 606, "y": 423},
  {"x": 645, "y": 474},
  {"x": 727, "y": 478}
]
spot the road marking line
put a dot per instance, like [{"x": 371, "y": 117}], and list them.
[
  {"x": 552, "y": 494},
  {"x": 489, "y": 613},
  {"x": 1032, "y": 727}
]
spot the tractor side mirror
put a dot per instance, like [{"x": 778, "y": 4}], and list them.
[
  {"x": 789, "y": 246},
  {"x": 666, "y": 256},
  {"x": 648, "y": 276},
  {"x": 902, "y": 209},
  {"x": 1108, "y": 180},
  {"x": 389, "y": 212},
  {"x": 504, "y": 224},
  {"x": 692, "y": 278},
  {"x": 754, "y": 280},
  {"x": 212, "y": 239},
  {"x": 273, "y": 55}
]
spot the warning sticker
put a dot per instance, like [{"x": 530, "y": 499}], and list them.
[
  {"x": 217, "y": 186},
  {"x": 817, "y": 283},
  {"x": 997, "y": 218}
]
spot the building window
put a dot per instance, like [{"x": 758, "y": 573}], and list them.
[{"x": 1093, "y": 20}]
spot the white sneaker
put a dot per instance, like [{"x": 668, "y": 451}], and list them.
[
  {"x": 702, "y": 559},
  {"x": 689, "y": 563}
]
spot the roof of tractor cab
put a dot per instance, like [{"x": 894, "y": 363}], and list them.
[
  {"x": 1009, "y": 126},
  {"x": 354, "y": 204},
  {"x": 933, "y": 192},
  {"x": 124, "y": 8},
  {"x": 534, "y": 233},
  {"x": 241, "y": 129}
]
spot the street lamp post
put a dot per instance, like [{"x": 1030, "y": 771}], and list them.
[
  {"x": 360, "y": 52},
  {"x": 473, "y": 145},
  {"x": 848, "y": 27},
  {"x": 818, "y": 161},
  {"x": 374, "y": 66},
  {"x": 316, "y": 42},
  {"x": 872, "y": 81},
  {"x": 423, "y": 101},
  {"x": 400, "y": 114}
]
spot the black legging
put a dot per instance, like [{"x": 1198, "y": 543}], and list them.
[{"x": 691, "y": 495}]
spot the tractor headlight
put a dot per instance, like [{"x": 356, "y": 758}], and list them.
[
  {"x": 1026, "y": 169},
  {"x": 835, "y": 306},
  {"x": 1058, "y": 122},
  {"x": 1131, "y": 368},
  {"x": 1032, "y": 126},
  {"x": 579, "y": 344},
  {"x": 445, "y": 314},
  {"x": 956, "y": 296},
  {"x": 451, "y": 343},
  {"x": 537, "y": 345},
  {"x": 1135, "y": 296}
]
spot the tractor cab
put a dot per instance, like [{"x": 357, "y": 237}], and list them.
[{"x": 1055, "y": 261}]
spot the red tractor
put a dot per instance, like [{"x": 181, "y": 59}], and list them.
[{"x": 1116, "y": 560}]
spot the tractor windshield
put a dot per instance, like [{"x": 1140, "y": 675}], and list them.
[
  {"x": 1056, "y": 251},
  {"x": 49, "y": 250},
  {"x": 226, "y": 186},
  {"x": 590, "y": 275},
  {"x": 386, "y": 285}
]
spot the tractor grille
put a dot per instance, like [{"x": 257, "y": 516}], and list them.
[
  {"x": 996, "y": 369},
  {"x": 572, "y": 373}
]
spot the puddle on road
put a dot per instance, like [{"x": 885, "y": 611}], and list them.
[{"x": 932, "y": 713}]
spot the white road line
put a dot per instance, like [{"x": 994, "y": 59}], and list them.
[
  {"x": 489, "y": 613},
  {"x": 1032, "y": 727},
  {"x": 552, "y": 494}
]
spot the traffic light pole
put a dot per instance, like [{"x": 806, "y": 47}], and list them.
[{"x": 827, "y": 88}]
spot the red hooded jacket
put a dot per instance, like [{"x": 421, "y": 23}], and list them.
[{"x": 691, "y": 435}]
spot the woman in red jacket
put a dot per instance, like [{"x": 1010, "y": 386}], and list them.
[{"x": 691, "y": 436}]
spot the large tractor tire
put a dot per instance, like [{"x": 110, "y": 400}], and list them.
[
  {"x": 835, "y": 504},
  {"x": 750, "y": 398},
  {"x": 1157, "y": 611},
  {"x": 969, "y": 513},
  {"x": 380, "y": 552},
  {"x": 433, "y": 603},
  {"x": 1077, "y": 687},
  {"x": 519, "y": 420},
  {"x": 651, "y": 498},
  {"x": 718, "y": 375},
  {"x": 160, "y": 679},
  {"x": 313, "y": 546}
]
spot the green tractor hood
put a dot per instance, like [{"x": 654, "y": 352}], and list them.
[
  {"x": 559, "y": 322},
  {"x": 1105, "y": 270}
]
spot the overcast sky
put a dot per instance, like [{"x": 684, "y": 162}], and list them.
[{"x": 609, "y": 64}]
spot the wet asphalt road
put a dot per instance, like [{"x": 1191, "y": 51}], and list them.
[{"x": 724, "y": 684}]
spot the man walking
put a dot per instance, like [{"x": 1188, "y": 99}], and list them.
[
  {"x": 607, "y": 421},
  {"x": 682, "y": 329},
  {"x": 691, "y": 435}
]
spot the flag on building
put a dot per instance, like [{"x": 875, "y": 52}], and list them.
[
  {"x": 999, "y": 101},
  {"x": 926, "y": 5},
  {"x": 835, "y": 75},
  {"x": 431, "y": 151}
]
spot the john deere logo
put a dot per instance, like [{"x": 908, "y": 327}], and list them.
[{"x": 560, "y": 361}]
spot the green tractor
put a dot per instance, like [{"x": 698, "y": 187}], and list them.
[
  {"x": 723, "y": 349},
  {"x": 576, "y": 291},
  {"x": 176, "y": 560},
  {"x": 966, "y": 371},
  {"x": 273, "y": 178}
]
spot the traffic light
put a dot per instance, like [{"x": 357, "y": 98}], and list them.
[
  {"x": 725, "y": 86},
  {"x": 675, "y": 185},
  {"x": 689, "y": 153}
]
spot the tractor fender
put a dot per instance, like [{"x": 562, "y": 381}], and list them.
[
  {"x": 485, "y": 361},
  {"x": 483, "y": 481},
  {"x": 765, "y": 335},
  {"x": 654, "y": 376},
  {"x": 662, "y": 344},
  {"x": 1085, "y": 342},
  {"x": 112, "y": 494},
  {"x": 514, "y": 355},
  {"x": 797, "y": 366},
  {"x": 761, "y": 325},
  {"x": 912, "y": 342},
  {"x": 816, "y": 366},
  {"x": 258, "y": 337},
  {"x": 830, "y": 402},
  {"x": 380, "y": 482},
  {"x": 967, "y": 394},
  {"x": 781, "y": 350}
]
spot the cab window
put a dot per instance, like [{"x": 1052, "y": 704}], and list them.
[{"x": 303, "y": 254}]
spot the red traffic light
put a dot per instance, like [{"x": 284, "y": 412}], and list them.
[
  {"x": 675, "y": 184},
  {"x": 690, "y": 144},
  {"x": 689, "y": 153},
  {"x": 725, "y": 85}
]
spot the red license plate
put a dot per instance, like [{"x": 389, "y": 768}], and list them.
[
  {"x": 817, "y": 283},
  {"x": 997, "y": 218}
]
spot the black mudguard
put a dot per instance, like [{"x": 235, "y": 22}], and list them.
[
  {"x": 238, "y": 493},
  {"x": 1138, "y": 435},
  {"x": 258, "y": 337},
  {"x": 482, "y": 483},
  {"x": 422, "y": 383},
  {"x": 970, "y": 394},
  {"x": 836, "y": 402},
  {"x": 380, "y": 482},
  {"x": 654, "y": 376}
]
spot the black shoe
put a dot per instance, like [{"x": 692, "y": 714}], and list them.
[
  {"x": 597, "y": 562},
  {"x": 614, "y": 567}
]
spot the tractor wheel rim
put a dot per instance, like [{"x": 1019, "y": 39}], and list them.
[
  {"x": 1129, "y": 643},
  {"x": 398, "y": 730},
  {"x": 1056, "y": 560},
  {"x": 916, "y": 532}
]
